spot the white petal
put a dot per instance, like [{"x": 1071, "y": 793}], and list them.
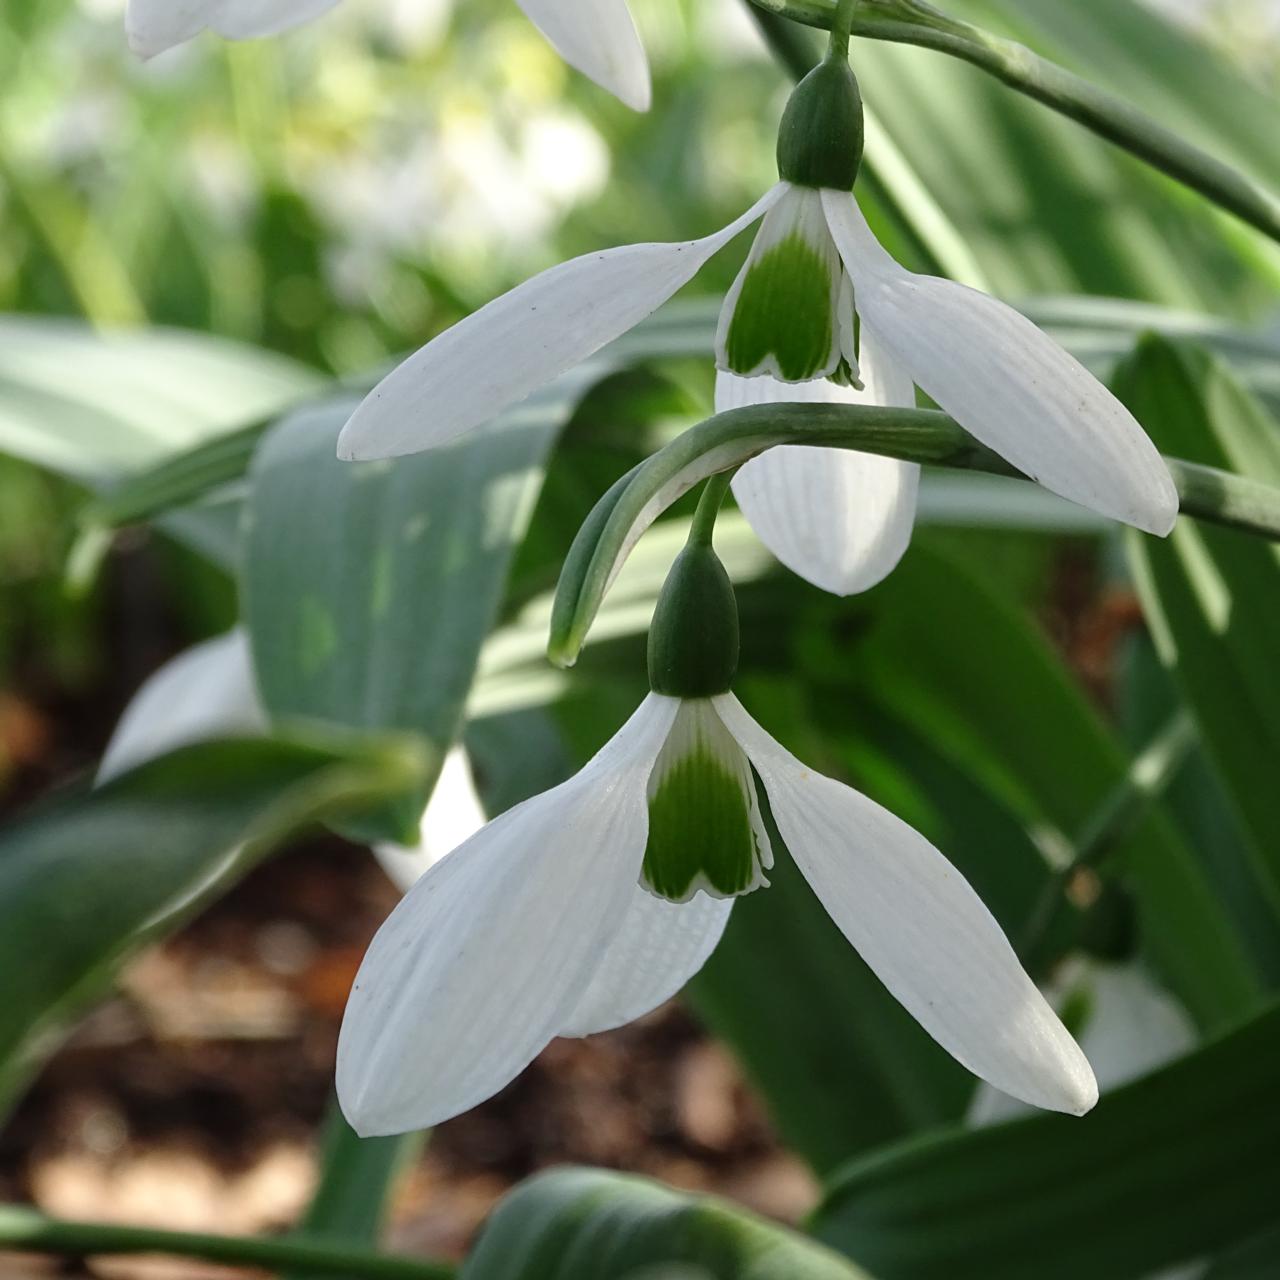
[
  {"x": 600, "y": 39},
  {"x": 1006, "y": 382},
  {"x": 487, "y": 955},
  {"x": 518, "y": 342},
  {"x": 453, "y": 814},
  {"x": 152, "y": 26},
  {"x": 658, "y": 948},
  {"x": 207, "y": 692},
  {"x": 839, "y": 519},
  {"x": 924, "y": 932}
]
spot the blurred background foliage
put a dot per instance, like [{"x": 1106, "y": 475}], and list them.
[{"x": 195, "y": 245}]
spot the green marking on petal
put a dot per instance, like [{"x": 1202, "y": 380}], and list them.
[
  {"x": 783, "y": 310},
  {"x": 703, "y": 833}
]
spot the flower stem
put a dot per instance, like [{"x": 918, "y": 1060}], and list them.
[
  {"x": 704, "y": 518},
  {"x": 729, "y": 439},
  {"x": 1110, "y": 117},
  {"x": 30, "y": 1231},
  {"x": 841, "y": 21}
]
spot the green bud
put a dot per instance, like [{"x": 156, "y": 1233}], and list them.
[
  {"x": 820, "y": 137},
  {"x": 693, "y": 640}
]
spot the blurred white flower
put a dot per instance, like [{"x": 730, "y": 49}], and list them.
[
  {"x": 1131, "y": 1027},
  {"x": 598, "y": 37},
  {"x": 209, "y": 692}
]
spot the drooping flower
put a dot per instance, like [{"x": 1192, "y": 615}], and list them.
[
  {"x": 598, "y": 37},
  {"x": 816, "y": 293},
  {"x": 590, "y": 904}
]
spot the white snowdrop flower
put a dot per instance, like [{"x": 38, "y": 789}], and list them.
[
  {"x": 590, "y": 904},
  {"x": 598, "y": 37},
  {"x": 816, "y": 297}
]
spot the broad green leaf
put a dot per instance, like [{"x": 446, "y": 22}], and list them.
[
  {"x": 1181, "y": 1164},
  {"x": 586, "y": 1224},
  {"x": 945, "y": 653},
  {"x": 1211, "y": 594},
  {"x": 87, "y": 878},
  {"x": 370, "y": 587},
  {"x": 92, "y": 406}
]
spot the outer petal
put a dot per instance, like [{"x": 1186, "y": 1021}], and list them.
[
  {"x": 658, "y": 948},
  {"x": 453, "y": 814},
  {"x": 839, "y": 519},
  {"x": 152, "y": 26},
  {"x": 915, "y": 920},
  {"x": 1009, "y": 384},
  {"x": 485, "y": 958},
  {"x": 206, "y": 692},
  {"x": 600, "y": 39},
  {"x": 520, "y": 341}
]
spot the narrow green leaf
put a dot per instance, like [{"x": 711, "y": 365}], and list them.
[
  {"x": 586, "y": 1224},
  {"x": 357, "y": 1178},
  {"x": 1178, "y": 1165},
  {"x": 1210, "y": 594}
]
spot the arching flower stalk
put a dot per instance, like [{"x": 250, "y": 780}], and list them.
[
  {"x": 587, "y": 906},
  {"x": 817, "y": 298},
  {"x": 598, "y": 37}
]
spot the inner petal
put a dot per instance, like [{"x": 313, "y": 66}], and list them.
[
  {"x": 782, "y": 315},
  {"x": 705, "y": 829}
]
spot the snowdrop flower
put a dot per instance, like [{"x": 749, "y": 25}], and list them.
[
  {"x": 587, "y": 906},
  {"x": 816, "y": 295},
  {"x": 598, "y": 37}
]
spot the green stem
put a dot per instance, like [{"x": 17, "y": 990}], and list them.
[
  {"x": 729, "y": 439},
  {"x": 914, "y": 22},
  {"x": 703, "y": 525},
  {"x": 1152, "y": 770},
  {"x": 26, "y": 1230},
  {"x": 840, "y": 24}
]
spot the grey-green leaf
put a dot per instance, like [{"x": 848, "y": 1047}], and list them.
[
  {"x": 586, "y": 1224},
  {"x": 1176, "y": 1166}
]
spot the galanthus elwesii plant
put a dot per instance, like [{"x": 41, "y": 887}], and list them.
[
  {"x": 598, "y": 37},
  {"x": 815, "y": 287},
  {"x": 587, "y": 906}
]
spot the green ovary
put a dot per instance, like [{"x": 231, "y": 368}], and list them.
[
  {"x": 700, "y": 831},
  {"x": 784, "y": 310}
]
